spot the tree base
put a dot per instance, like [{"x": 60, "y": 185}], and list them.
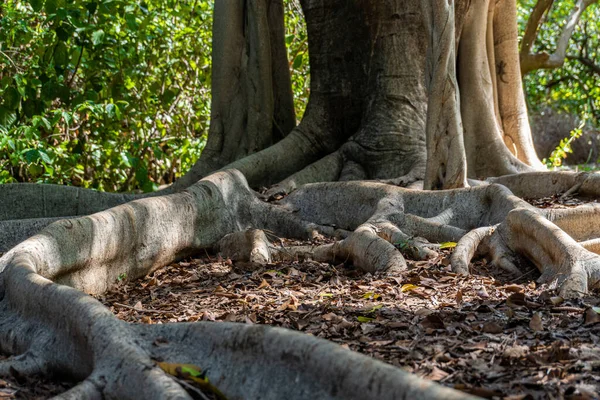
[{"x": 56, "y": 329}]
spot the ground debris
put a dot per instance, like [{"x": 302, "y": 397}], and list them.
[{"x": 490, "y": 334}]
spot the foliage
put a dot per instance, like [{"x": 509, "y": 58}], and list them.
[
  {"x": 297, "y": 43},
  {"x": 564, "y": 147},
  {"x": 111, "y": 94},
  {"x": 575, "y": 88}
]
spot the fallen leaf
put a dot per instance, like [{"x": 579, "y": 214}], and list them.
[
  {"x": 591, "y": 316},
  {"x": 513, "y": 288},
  {"x": 492, "y": 327},
  {"x": 556, "y": 300},
  {"x": 535, "y": 323},
  {"x": 408, "y": 287},
  {"x": 516, "y": 351},
  {"x": 481, "y": 292},
  {"x": 436, "y": 374},
  {"x": 447, "y": 245},
  {"x": 516, "y": 300},
  {"x": 263, "y": 284},
  {"x": 192, "y": 373},
  {"x": 433, "y": 321}
]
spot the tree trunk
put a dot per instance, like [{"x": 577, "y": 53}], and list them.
[
  {"x": 402, "y": 91},
  {"x": 252, "y": 103}
]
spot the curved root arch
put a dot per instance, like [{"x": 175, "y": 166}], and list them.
[
  {"x": 49, "y": 327},
  {"x": 52, "y": 328}
]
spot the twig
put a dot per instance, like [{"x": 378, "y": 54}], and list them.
[
  {"x": 567, "y": 309},
  {"x": 142, "y": 309}
]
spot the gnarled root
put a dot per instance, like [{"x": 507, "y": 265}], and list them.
[
  {"x": 56, "y": 329},
  {"x": 544, "y": 184}
]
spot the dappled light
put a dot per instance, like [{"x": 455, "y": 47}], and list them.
[{"x": 329, "y": 200}]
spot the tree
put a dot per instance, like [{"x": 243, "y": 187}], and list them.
[
  {"x": 559, "y": 63},
  {"x": 402, "y": 92}
]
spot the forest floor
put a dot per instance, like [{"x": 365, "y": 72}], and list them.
[{"x": 490, "y": 334}]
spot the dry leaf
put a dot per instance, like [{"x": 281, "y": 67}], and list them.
[
  {"x": 263, "y": 284},
  {"x": 436, "y": 374},
  {"x": 492, "y": 327},
  {"x": 408, "y": 287},
  {"x": 591, "y": 316},
  {"x": 536, "y": 323},
  {"x": 516, "y": 300},
  {"x": 481, "y": 292},
  {"x": 433, "y": 321},
  {"x": 459, "y": 297}
]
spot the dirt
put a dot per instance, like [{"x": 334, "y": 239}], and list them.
[{"x": 490, "y": 334}]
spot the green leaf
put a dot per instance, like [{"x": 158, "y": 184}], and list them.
[
  {"x": 61, "y": 54},
  {"x": 98, "y": 37},
  {"x": 45, "y": 157},
  {"x": 7, "y": 117},
  {"x": 51, "y": 6},
  {"x": 92, "y": 7},
  {"x": 12, "y": 98},
  {"x": 36, "y": 4},
  {"x": 63, "y": 32},
  {"x": 374, "y": 308},
  {"x": 31, "y": 155},
  {"x": 447, "y": 245},
  {"x": 49, "y": 91},
  {"x": 298, "y": 61},
  {"x": 5, "y": 82}
]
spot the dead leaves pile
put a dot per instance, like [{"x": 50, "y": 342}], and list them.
[
  {"x": 483, "y": 334},
  {"x": 488, "y": 334}
]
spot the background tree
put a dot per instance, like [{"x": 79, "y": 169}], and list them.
[
  {"x": 560, "y": 66},
  {"x": 405, "y": 92}
]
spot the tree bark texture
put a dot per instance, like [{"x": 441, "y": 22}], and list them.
[{"x": 403, "y": 92}]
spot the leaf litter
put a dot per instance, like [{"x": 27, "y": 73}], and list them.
[{"x": 490, "y": 334}]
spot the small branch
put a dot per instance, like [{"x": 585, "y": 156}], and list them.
[
  {"x": 595, "y": 68},
  {"x": 531, "y": 62},
  {"x": 533, "y": 24},
  {"x": 11, "y": 61}
]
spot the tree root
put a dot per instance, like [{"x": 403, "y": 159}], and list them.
[
  {"x": 55, "y": 329},
  {"x": 544, "y": 184}
]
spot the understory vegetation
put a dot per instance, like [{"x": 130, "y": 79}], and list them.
[
  {"x": 115, "y": 95},
  {"x": 111, "y": 95}
]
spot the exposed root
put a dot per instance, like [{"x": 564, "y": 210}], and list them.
[
  {"x": 467, "y": 247},
  {"x": 52, "y": 328},
  {"x": 544, "y": 184},
  {"x": 561, "y": 260},
  {"x": 581, "y": 223},
  {"x": 84, "y": 390},
  {"x": 251, "y": 245},
  {"x": 24, "y": 364},
  {"x": 57, "y": 329},
  {"x": 592, "y": 245}
]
